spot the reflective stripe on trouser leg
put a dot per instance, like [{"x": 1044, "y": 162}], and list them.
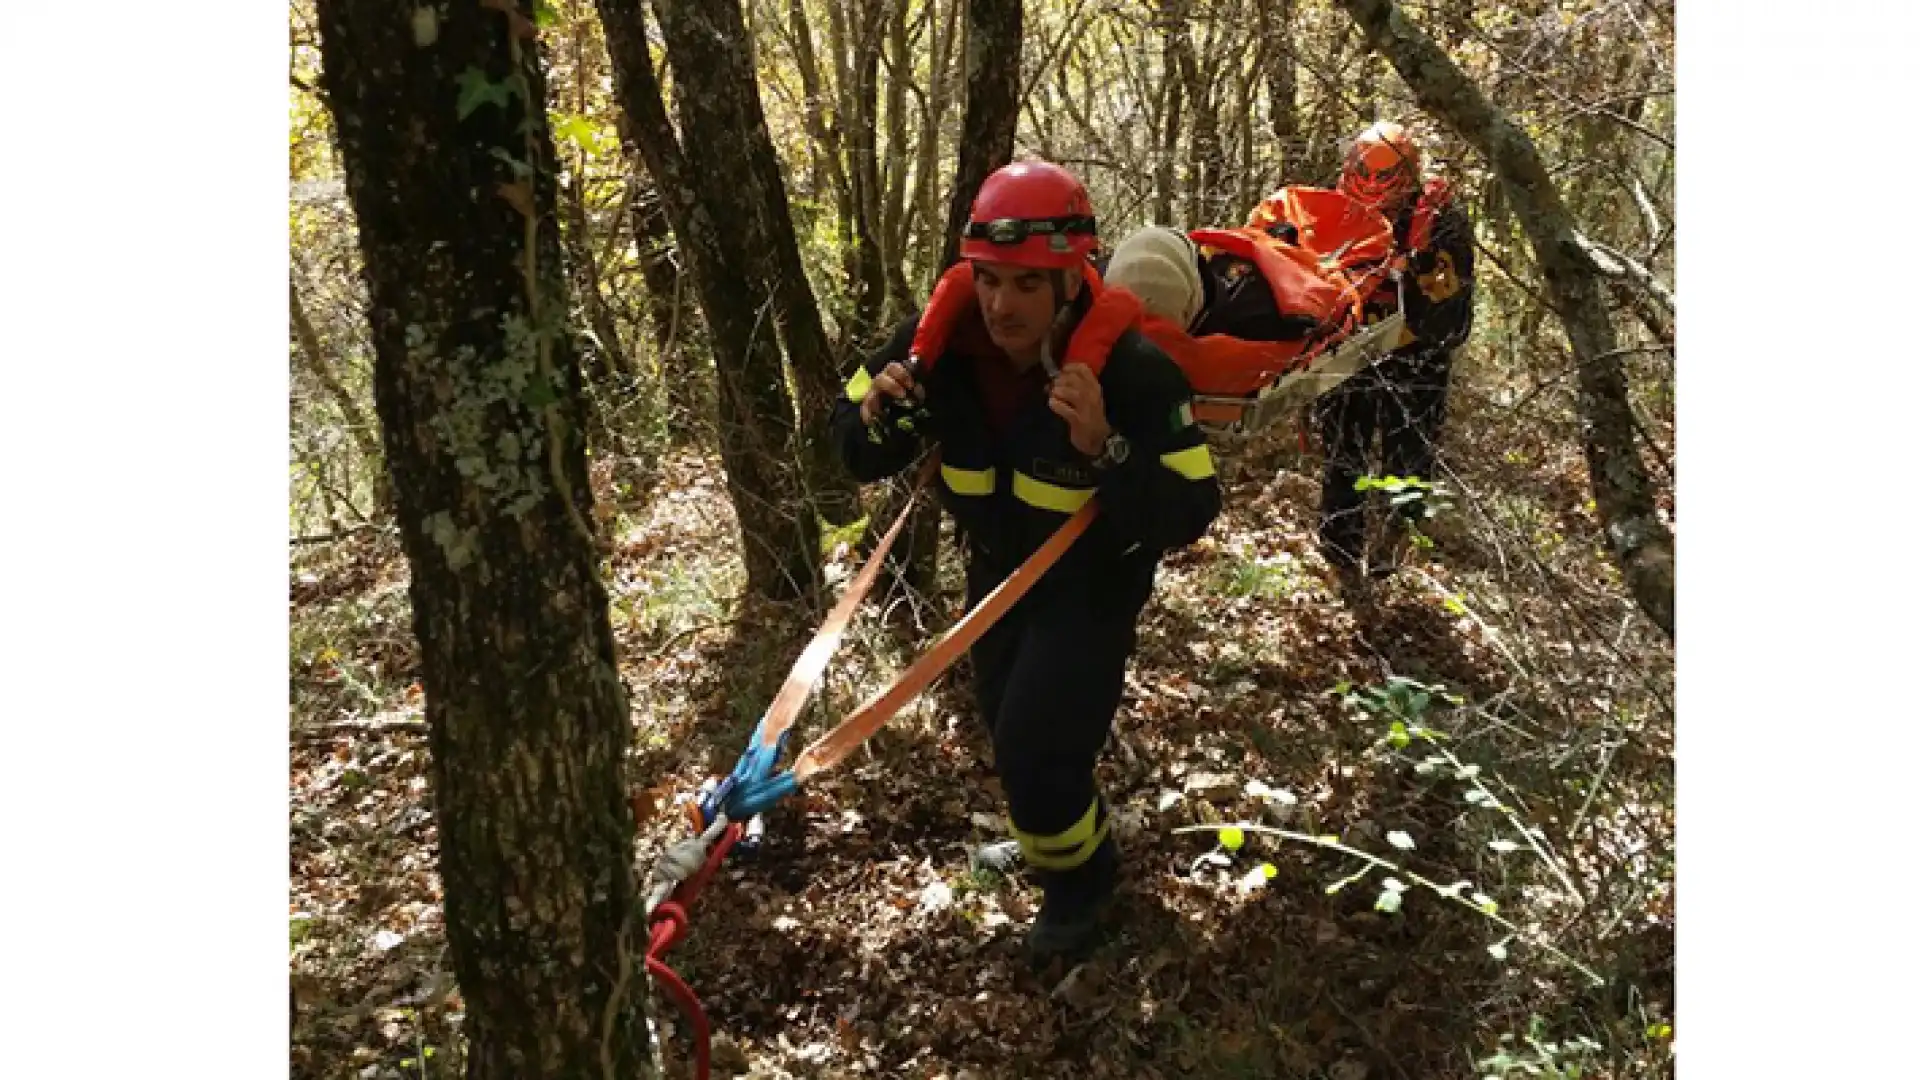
[
  {"x": 1063, "y": 686},
  {"x": 1070, "y": 848}
]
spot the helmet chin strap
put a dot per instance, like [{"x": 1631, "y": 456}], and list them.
[{"x": 1062, "y": 312}]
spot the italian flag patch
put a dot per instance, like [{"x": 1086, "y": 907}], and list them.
[{"x": 1183, "y": 416}]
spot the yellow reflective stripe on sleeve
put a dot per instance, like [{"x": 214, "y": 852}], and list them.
[
  {"x": 1194, "y": 463},
  {"x": 858, "y": 386},
  {"x": 968, "y": 481},
  {"x": 1049, "y": 496},
  {"x": 1066, "y": 850}
]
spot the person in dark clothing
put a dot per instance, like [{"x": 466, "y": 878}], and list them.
[
  {"x": 1403, "y": 398},
  {"x": 1024, "y": 443}
]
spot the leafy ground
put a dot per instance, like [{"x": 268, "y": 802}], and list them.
[{"x": 857, "y": 942}]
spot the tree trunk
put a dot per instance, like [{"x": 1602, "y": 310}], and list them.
[
  {"x": 1640, "y": 542},
  {"x": 1206, "y": 166},
  {"x": 478, "y": 390},
  {"x": 606, "y": 364},
  {"x": 1321, "y": 162},
  {"x": 994, "y": 29},
  {"x": 869, "y": 279},
  {"x": 928, "y": 168},
  {"x": 712, "y": 180},
  {"x": 670, "y": 317},
  {"x": 699, "y": 28},
  {"x": 845, "y": 124},
  {"x": 1172, "y": 110},
  {"x": 365, "y": 438},
  {"x": 893, "y": 218},
  {"x": 1278, "y": 32},
  {"x": 814, "y": 358},
  {"x": 1597, "y": 194},
  {"x": 993, "y": 108},
  {"x": 825, "y": 135},
  {"x": 1636, "y": 287},
  {"x": 1245, "y": 187}
]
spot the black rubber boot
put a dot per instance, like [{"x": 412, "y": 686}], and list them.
[{"x": 1073, "y": 902}]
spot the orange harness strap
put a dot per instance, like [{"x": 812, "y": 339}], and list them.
[
  {"x": 754, "y": 786},
  {"x": 812, "y": 663},
  {"x": 833, "y": 747}
]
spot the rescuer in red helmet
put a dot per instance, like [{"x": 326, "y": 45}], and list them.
[{"x": 1040, "y": 394}]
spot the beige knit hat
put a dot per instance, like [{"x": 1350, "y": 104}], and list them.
[{"x": 1160, "y": 266}]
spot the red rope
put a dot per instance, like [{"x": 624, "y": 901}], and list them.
[
  {"x": 669, "y": 927},
  {"x": 683, "y": 996}
]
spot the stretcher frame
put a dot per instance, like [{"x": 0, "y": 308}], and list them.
[{"x": 1251, "y": 414}]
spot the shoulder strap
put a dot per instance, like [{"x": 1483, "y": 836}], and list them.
[
  {"x": 1434, "y": 199},
  {"x": 951, "y": 300},
  {"x": 1113, "y": 312}
]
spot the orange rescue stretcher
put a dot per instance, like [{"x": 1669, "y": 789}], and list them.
[{"x": 1336, "y": 266}]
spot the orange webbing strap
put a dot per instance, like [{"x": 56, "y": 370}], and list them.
[
  {"x": 813, "y": 661},
  {"x": 833, "y": 747}
]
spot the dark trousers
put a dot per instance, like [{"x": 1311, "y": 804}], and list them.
[
  {"x": 1047, "y": 680},
  {"x": 1403, "y": 402}
]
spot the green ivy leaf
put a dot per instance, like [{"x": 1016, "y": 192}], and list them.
[
  {"x": 477, "y": 90},
  {"x": 577, "y": 130},
  {"x": 521, "y": 170},
  {"x": 544, "y": 15}
]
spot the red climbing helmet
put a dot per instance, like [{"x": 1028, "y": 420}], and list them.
[
  {"x": 1382, "y": 167},
  {"x": 1031, "y": 213}
]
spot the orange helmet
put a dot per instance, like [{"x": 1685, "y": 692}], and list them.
[
  {"x": 1382, "y": 167},
  {"x": 1031, "y": 213}
]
